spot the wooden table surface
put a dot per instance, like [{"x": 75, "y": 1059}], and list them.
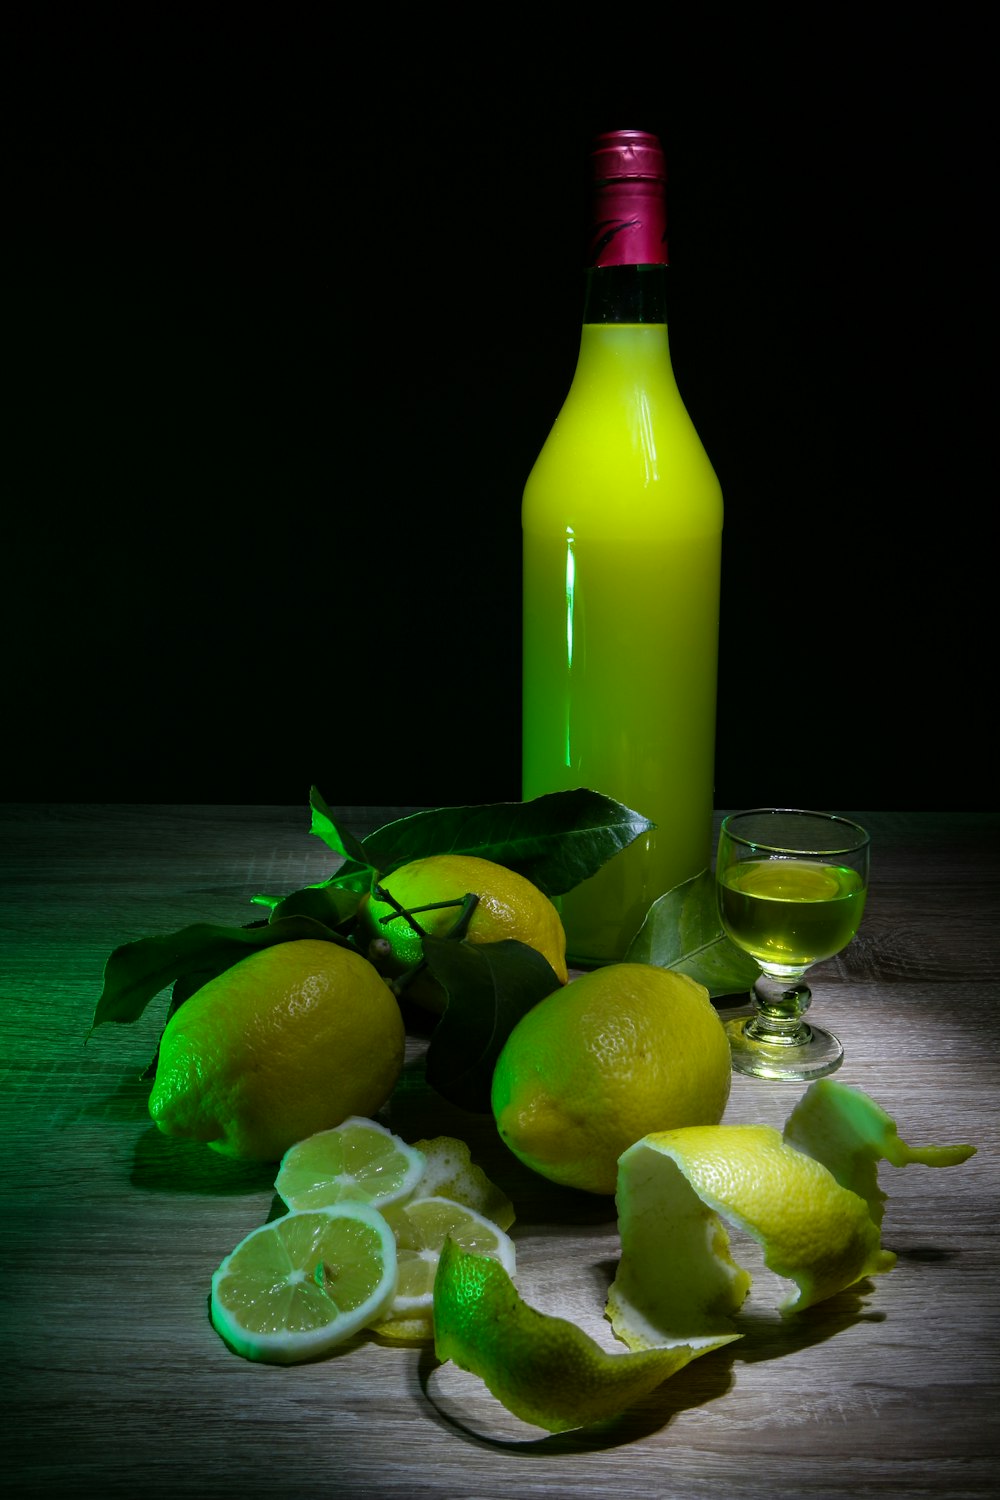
[{"x": 114, "y": 1380}]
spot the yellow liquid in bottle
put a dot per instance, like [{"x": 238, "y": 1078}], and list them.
[{"x": 622, "y": 530}]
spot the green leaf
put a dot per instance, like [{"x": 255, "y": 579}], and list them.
[
  {"x": 183, "y": 989},
  {"x": 330, "y": 904},
  {"x": 351, "y": 873},
  {"x": 340, "y": 840},
  {"x": 136, "y": 972},
  {"x": 555, "y": 841},
  {"x": 682, "y": 931},
  {"x": 490, "y": 986}
]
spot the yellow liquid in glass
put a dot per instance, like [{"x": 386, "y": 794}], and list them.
[
  {"x": 791, "y": 913},
  {"x": 622, "y": 523}
]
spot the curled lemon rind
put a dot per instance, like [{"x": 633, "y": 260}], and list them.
[
  {"x": 849, "y": 1133},
  {"x": 810, "y": 1198},
  {"x": 676, "y": 1276},
  {"x": 544, "y": 1369}
]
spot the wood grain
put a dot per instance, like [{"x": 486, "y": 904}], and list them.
[{"x": 114, "y": 1380}]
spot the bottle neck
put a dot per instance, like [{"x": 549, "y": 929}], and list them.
[
  {"x": 627, "y": 253},
  {"x": 626, "y": 294}
]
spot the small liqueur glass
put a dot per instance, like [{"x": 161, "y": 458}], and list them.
[{"x": 791, "y": 887}]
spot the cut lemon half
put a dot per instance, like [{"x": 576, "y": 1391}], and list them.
[
  {"x": 300, "y": 1285},
  {"x": 422, "y": 1227},
  {"x": 450, "y": 1172},
  {"x": 358, "y": 1161}
]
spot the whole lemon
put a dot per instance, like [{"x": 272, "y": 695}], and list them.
[
  {"x": 289, "y": 1041},
  {"x": 509, "y": 906},
  {"x": 613, "y": 1056}
]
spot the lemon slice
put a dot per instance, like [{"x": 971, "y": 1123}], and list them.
[
  {"x": 300, "y": 1285},
  {"x": 544, "y": 1369},
  {"x": 358, "y": 1161},
  {"x": 422, "y": 1226},
  {"x": 450, "y": 1172}
]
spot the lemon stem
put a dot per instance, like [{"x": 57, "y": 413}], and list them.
[
  {"x": 458, "y": 929},
  {"x": 467, "y": 903}
]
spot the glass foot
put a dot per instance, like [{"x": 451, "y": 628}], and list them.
[{"x": 819, "y": 1053}]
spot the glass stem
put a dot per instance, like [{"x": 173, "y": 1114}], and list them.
[{"x": 780, "y": 1005}]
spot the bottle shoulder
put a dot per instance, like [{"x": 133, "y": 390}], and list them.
[
  {"x": 623, "y": 443},
  {"x": 622, "y": 366},
  {"x": 642, "y": 487}
]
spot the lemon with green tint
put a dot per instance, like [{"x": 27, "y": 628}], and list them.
[
  {"x": 431, "y": 892},
  {"x": 422, "y": 1227},
  {"x": 291, "y": 1040},
  {"x": 297, "y": 1287},
  {"x": 358, "y": 1160}
]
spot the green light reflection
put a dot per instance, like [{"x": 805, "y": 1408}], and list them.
[{"x": 570, "y": 604}]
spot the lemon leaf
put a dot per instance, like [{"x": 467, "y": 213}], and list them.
[
  {"x": 330, "y": 903},
  {"x": 135, "y": 973},
  {"x": 543, "y": 1368},
  {"x": 489, "y": 987},
  {"x": 555, "y": 841},
  {"x": 682, "y": 931},
  {"x": 353, "y": 871},
  {"x": 325, "y": 827}
]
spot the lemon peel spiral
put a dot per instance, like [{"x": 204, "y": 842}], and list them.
[{"x": 810, "y": 1198}]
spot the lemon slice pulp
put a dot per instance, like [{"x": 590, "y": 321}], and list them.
[
  {"x": 357, "y": 1161},
  {"x": 295, "y": 1288},
  {"x": 422, "y": 1227}
]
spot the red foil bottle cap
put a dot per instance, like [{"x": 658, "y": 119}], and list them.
[{"x": 629, "y": 218}]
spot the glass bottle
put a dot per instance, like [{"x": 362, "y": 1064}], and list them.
[{"x": 622, "y": 536}]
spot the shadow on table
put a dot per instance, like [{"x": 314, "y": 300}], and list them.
[
  {"x": 462, "y": 1409},
  {"x": 461, "y": 1403},
  {"x": 767, "y": 1335},
  {"x": 163, "y": 1163}
]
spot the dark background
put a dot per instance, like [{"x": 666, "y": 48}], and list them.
[{"x": 291, "y": 309}]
